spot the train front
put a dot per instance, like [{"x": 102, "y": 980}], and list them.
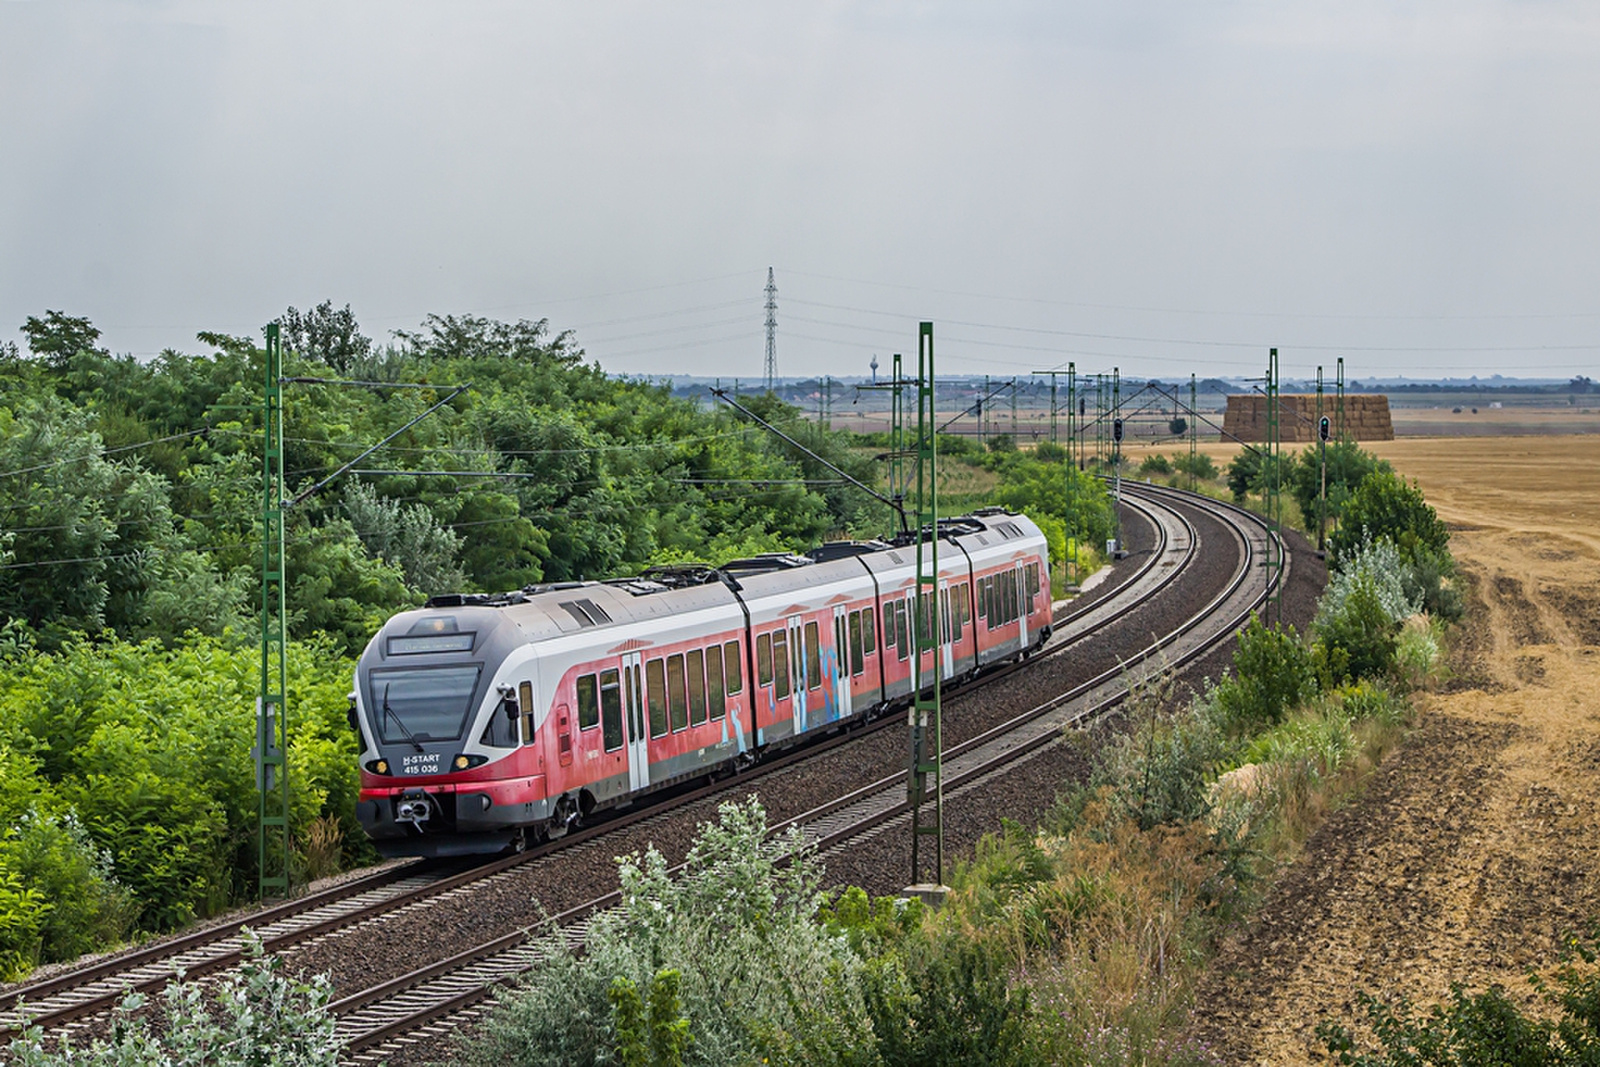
[{"x": 443, "y": 702}]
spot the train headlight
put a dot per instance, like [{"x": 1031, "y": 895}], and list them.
[
  {"x": 378, "y": 766},
  {"x": 465, "y": 762},
  {"x": 461, "y": 763}
]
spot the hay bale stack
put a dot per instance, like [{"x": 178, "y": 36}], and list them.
[{"x": 1366, "y": 417}]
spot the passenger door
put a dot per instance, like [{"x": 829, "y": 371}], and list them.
[
  {"x": 840, "y": 664},
  {"x": 1021, "y": 578},
  {"x": 797, "y": 670},
  {"x": 638, "y": 728},
  {"x": 947, "y": 650}
]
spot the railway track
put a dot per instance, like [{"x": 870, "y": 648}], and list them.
[
  {"x": 379, "y": 1023},
  {"x": 79, "y": 1000}
]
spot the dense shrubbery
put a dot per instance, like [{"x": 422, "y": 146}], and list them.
[
  {"x": 1273, "y": 675},
  {"x": 131, "y": 490},
  {"x": 741, "y": 960},
  {"x": 131, "y": 551},
  {"x": 1252, "y": 471},
  {"x": 756, "y": 978},
  {"x": 126, "y": 786},
  {"x": 1056, "y": 495},
  {"x": 1347, "y": 464}
]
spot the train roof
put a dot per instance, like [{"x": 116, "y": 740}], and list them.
[{"x": 555, "y": 608}]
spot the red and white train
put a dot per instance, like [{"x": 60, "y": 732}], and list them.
[{"x": 490, "y": 720}]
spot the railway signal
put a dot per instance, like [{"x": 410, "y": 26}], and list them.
[{"x": 1323, "y": 429}]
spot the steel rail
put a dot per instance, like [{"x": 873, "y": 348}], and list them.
[
  {"x": 407, "y": 1003},
  {"x": 81, "y": 993}
]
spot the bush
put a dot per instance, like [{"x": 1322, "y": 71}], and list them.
[
  {"x": 1417, "y": 651},
  {"x": 1154, "y": 465},
  {"x": 1385, "y": 508},
  {"x": 1360, "y": 612},
  {"x": 759, "y": 978},
  {"x": 1155, "y": 773},
  {"x": 1487, "y": 1027},
  {"x": 54, "y": 856},
  {"x": 141, "y": 753},
  {"x": 257, "y": 1015},
  {"x": 1200, "y": 465},
  {"x": 1060, "y": 491},
  {"x": 1357, "y": 636},
  {"x": 951, "y": 1007},
  {"x": 1426, "y": 583},
  {"x": 1273, "y": 673}
]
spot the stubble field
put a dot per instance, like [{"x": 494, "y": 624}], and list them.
[{"x": 1477, "y": 845}]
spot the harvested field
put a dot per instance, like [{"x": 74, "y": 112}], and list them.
[{"x": 1477, "y": 845}]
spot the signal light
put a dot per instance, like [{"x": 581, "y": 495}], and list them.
[
  {"x": 1116, "y": 430},
  {"x": 1322, "y": 428}
]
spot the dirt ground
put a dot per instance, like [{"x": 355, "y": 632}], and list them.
[{"x": 1477, "y": 844}]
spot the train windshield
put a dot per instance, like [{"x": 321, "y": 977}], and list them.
[{"x": 414, "y": 704}]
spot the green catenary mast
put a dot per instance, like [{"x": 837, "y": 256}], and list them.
[
  {"x": 272, "y": 713},
  {"x": 925, "y": 716}
]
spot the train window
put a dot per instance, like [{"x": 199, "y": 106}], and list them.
[
  {"x": 694, "y": 662},
  {"x": 983, "y": 598},
  {"x": 501, "y": 729},
  {"x": 780, "y": 663},
  {"x": 677, "y": 702},
  {"x": 902, "y": 639},
  {"x": 611, "y": 709},
  {"x": 525, "y": 698},
  {"x": 856, "y": 664},
  {"x": 950, "y": 633},
  {"x": 764, "y": 659},
  {"x": 841, "y": 646},
  {"x": 715, "y": 691},
  {"x": 868, "y": 638},
  {"x": 1012, "y": 589},
  {"x": 730, "y": 658},
  {"x": 655, "y": 679},
  {"x": 425, "y": 703},
  {"x": 963, "y": 608},
  {"x": 925, "y": 622},
  {"x": 1033, "y": 583},
  {"x": 888, "y": 625},
  {"x": 813, "y": 657},
  {"x": 588, "y": 702}
]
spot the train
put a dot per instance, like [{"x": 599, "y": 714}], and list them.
[{"x": 487, "y": 722}]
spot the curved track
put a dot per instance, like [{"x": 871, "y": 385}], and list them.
[
  {"x": 378, "y": 1024},
  {"x": 80, "y": 998},
  {"x": 378, "y": 1021}
]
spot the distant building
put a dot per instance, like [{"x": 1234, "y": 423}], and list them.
[{"x": 1366, "y": 417}]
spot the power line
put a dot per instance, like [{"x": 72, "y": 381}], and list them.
[
  {"x": 1195, "y": 311},
  {"x": 102, "y": 453}
]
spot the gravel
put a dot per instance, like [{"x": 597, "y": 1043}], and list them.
[{"x": 881, "y": 864}]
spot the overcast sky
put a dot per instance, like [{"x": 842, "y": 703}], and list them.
[{"x": 1162, "y": 187}]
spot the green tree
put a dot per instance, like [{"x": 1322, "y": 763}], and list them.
[
  {"x": 407, "y": 536},
  {"x": 1057, "y": 490},
  {"x": 1347, "y": 463},
  {"x": 326, "y": 336},
  {"x": 1251, "y": 471},
  {"x": 1385, "y": 507},
  {"x": 56, "y": 338}
]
